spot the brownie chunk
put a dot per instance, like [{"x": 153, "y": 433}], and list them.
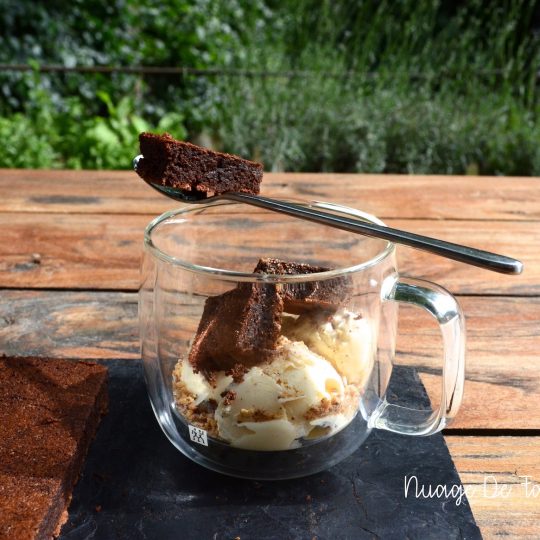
[
  {"x": 49, "y": 413},
  {"x": 299, "y": 298},
  {"x": 183, "y": 165},
  {"x": 240, "y": 326}
]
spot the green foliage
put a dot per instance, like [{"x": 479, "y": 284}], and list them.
[
  {"x": 23, "y": 145},
  {"x": 43, "y": 138},
  {"x": 330, "y": 125},
  {"x": 433, "y": 87},
  {"x": 417, "y": 86},
  {"x": 193, "y": 33},
  {"x": 112, "y": 141}
]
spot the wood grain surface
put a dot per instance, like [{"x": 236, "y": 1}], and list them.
[
  {"x": 493, "y": 471},
  {"x": 97, "y": 251},
  {"x": 502, "y": 388},
  {"x": 387, "y": 196},
  {"x": 69, "y": 268}
]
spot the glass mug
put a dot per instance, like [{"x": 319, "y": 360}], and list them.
[{"x": 313, "y": 406}]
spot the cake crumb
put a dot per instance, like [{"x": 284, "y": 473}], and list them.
[
  {"x": 228, "y": 397},
  {"x": 325, "y": 408},
  {"x": 199, "y": 415},
  {"x": 237, "y": 372},
  {"x": 255, "y": 415}
]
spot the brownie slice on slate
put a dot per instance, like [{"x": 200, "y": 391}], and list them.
[
  {"x": 49, "y": 413},
  {"x": 183, "y": 165},
  {"x": 239, "y": 326},
  {"x": 301, "y": 297}
]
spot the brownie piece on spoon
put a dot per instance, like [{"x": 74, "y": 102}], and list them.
[{"x": 182, "y": 165}]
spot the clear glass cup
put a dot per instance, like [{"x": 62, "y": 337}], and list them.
[{"x": 318, "y": 403}]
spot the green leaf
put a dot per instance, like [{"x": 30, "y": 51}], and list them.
[
  {"x": 139, "y": 124},
  {"x": 106, "y": 99}
]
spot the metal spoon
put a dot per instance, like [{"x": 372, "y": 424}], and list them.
[{"x": 457, "y": 252}]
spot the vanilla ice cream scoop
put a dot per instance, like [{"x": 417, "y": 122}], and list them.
[
  {"x": 276, "y": 403},
  {"x": 197, "y": 385},
  {"x": 344, "y": 339},
  {"x": 297, "y": 395}
]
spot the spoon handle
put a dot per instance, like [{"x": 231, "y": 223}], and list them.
[{"x": 469, "y": 255}]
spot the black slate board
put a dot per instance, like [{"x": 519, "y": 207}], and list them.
[{"x": 136, "y": 485}]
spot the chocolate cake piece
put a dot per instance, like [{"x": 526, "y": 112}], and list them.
[
  {"x": 301, "y": 297},
  {"x": 240, "y": 326},
  {"x": 49, "y": 413},
  {"x": 183, "y": 165}
]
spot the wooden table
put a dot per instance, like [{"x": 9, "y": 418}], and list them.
[{"x": 69, "y": 265}]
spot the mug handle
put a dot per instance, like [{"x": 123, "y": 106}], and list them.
[{"x": 445, "y": 308}]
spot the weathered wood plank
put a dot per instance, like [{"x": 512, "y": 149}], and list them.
[
  {"x": 502, "y": 379},
  {"x": 515, "y": 239},
  {"x": 74, "y": 251},
  {"x": 502, "y": 389},
  {"x": 69, "y": 324},
  {"x": 493, "y": 471},
  {"x": 46, "y": 244},
  {"x": 103, "y": 252},
  {"x": 397, "y": 196}
]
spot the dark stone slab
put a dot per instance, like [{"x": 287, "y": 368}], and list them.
[{"x": 136, "y": 485}]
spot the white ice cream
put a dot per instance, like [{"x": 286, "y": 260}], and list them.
[
  {"x": 304, "y": 392},
  {"x": 289, "y": 392},
  {"x": 198, "y": 386},
  {"x": 344, "y": 339}
]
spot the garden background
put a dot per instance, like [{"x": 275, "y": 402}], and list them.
[{"x": 303, "y": 85}]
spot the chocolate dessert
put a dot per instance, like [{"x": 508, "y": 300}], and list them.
[
  {"x": 49, "y": 413},
  {"x": 275, "y": 364},
  {"x": 185, "y": 166},
  {"x": 301, "y": 297},
  {"x": 242, "y": 326},
  {"x": 239, "y": 326}
]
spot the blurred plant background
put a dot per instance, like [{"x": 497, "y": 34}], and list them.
[{"x": 415, "y": 86}]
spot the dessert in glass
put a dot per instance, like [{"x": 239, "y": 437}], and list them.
[{"x": 267, "y": 342}]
